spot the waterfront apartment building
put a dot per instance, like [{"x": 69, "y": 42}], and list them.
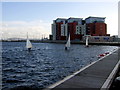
[
  {"x": 77, "y": 28},
  {"x": 61, "y": 28},
  {"x": 96, "y": 26}
]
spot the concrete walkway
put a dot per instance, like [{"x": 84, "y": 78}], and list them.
[{"x": 97, "y": 75}]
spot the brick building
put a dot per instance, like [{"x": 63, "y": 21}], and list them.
[
  {"x": 96, "y": 26},
  {"x": 59, "y": 29},
  {"x": 62, "y": 27},
  {"x": 77, "y": 27}
]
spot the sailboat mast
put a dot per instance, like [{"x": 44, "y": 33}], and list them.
[
  {"x": 69, "y": 40},
  {"x": 28, "y": 43},
  {"x": 86, "y": 40}
]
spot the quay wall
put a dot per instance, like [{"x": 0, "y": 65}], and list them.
[
  {"x": 98, "y": 75},
  {"x": 72, "y": 42}
]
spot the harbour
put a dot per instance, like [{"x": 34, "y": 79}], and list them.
[
  {"x": 46, "y": 64},
  {"x": 97, "y": 75},
  {"x": 60, "y": 45},
  {"x": 116, "y": 43}
]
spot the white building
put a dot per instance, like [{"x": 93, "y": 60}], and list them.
[
  {"x": 80, "y": 29},
  {"x": 64, "y": 30},
  {"x": 54, "y": 31}
]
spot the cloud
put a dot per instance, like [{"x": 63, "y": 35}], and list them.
[
  {"x": 39, "y": 28},
  {"x": 19, "y": 29}
]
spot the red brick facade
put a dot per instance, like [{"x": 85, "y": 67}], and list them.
[
  {"x": 58, "y": 30},
  {"x": 96, "y": 29},
  {"x": 94, "y": 26},
  {"x": 72, "y": 29}
]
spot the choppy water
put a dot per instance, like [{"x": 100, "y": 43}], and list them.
[{"x": 46, "y": 64}]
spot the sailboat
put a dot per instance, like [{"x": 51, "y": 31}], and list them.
[
  {"x": 28, "y": 44},
  {"x": 87, "y": 41},
  {"x": 67, "y": 45}
]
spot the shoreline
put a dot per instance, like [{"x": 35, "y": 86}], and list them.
[
  {"x": 104, "y": 80},
  {"x": 72, "y": 42}
]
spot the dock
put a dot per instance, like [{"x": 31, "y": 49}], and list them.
[{"x": 97, "y": 75}]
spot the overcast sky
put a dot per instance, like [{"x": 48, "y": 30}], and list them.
[{"x": 36, "y": 18}]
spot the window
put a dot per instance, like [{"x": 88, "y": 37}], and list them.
[
  {"x": 80, "y": 30},
  {"x": 106, "y": 38},
  {"x": 97, "y": 38}
]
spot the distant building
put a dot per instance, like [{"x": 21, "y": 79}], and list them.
[
  {"x": 61, "y": 28},
  {"x": 50, "y": 37},
  {"x": 77, "y": 28},
  {"x": 59, "y": 31},
  {"x": 99, "y": 39},
  {"x": 96, "y": 26}
]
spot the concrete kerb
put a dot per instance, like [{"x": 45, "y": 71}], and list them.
[
  {"x": 109, "y": 80},
  {"x": 70, "y": 76}
]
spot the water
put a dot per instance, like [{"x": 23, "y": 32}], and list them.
[{"x": 46, "y": 64}]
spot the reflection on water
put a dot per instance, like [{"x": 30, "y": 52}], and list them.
[{"x": 46, "y": 64}]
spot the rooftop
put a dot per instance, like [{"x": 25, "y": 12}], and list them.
[
  {"x": 61, "y": 19},
  {"x": 96, "y": 17},
  {"x": 74, "y": 18}
]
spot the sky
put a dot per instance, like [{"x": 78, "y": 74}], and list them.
[{"x": 36, "y": 18}]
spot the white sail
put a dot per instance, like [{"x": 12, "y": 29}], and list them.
[
  {"x": 86, "y": 40},
  {"x": 28, "y": 43},
  {"x": 68, "y": 42}
]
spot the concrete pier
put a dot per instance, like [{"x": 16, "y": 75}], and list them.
[{"x": 98, "y": 75}]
